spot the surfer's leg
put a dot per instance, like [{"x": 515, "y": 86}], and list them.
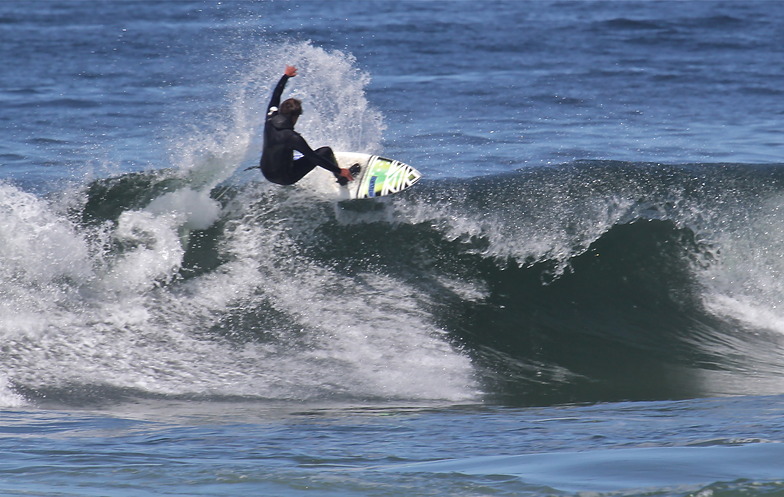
[
  {"x": 303, "y": 166},
  {"x": 327, "y": 153},
  {"x": 299, "y": 168}
]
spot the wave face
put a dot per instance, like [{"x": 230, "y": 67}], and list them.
[
  {"x": 600, "y": 280},
  {"x": 620, "y": 280}
]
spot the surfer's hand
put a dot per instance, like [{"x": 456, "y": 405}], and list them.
[
  {"x": 345, "y": 173},
  {"x": 290, "y": 71}
]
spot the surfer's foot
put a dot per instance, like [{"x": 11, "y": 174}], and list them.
[{"x": 354, "y": 170}]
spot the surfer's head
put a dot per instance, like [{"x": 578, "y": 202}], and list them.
[{"x": 291, "y": 108}]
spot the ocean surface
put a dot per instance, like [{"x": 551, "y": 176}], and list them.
[{"x": 584, "y": 296}]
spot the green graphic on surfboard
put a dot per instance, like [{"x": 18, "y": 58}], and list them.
[{"x": 378, "y": 176}]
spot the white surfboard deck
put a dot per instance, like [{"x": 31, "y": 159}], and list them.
[{"x": 378, "y": 177}]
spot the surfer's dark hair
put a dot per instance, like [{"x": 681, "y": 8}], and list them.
[{"x": 291, "y": 107}]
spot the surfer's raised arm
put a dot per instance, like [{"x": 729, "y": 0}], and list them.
[
  {"x": 290, "y": 72},
  {"x": 280, "y": 140}
]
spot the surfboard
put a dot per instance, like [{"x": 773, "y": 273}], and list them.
[{"x": 377, "y": 177}]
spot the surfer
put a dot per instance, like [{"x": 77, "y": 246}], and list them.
[{"x": 280, "y": 141}]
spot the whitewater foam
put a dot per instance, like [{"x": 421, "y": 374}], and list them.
[
  {"x": 37, "y": 246},
  {"x": 367, "y": 334}
]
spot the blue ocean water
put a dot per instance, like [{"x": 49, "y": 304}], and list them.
[{"x": 583, "y": 296}]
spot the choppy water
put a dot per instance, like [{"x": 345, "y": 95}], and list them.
[{"x": 583, "y": 295}]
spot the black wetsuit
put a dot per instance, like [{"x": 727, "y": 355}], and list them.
[{"x": 280, "y": 141}]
